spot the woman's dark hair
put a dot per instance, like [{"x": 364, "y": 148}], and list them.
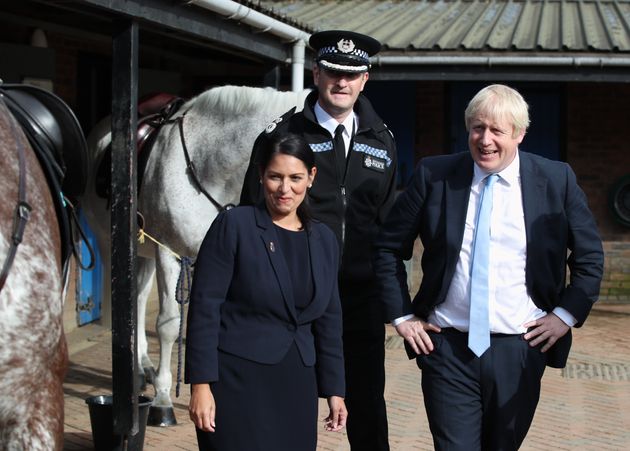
[{"x": 294, "y": 146}]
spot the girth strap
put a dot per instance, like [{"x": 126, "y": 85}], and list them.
[{"x": 22, "y": 210}]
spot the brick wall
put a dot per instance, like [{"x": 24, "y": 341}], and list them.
[
  {"x": 598, "y": 150},
  {"x": 67, "y": 51},
  {"x": 598, "y": 146},
  {"x": 431, "y": 125},
  {"x": 616, "y": 282}
]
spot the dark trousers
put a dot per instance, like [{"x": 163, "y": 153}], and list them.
[
  {"x": 486, "y": 403},
  {"x": 364, "y": 354}
]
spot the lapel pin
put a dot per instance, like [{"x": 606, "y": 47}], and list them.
[{"x": 272, "y": 247}]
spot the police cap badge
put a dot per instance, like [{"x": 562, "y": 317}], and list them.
[{"x": 344, "y": 51}]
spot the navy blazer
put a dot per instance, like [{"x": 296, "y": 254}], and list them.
[
  {"x": 557, "y": 220},
  {"x": 242, "y": 300}
]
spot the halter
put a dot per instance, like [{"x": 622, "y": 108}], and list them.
[{"x": 22, "y": 210}]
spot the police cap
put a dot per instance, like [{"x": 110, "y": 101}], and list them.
[{"x": 344, "y": 51}]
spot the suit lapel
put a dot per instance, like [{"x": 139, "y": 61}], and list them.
[
  {"x": 457, "y": 192},
  {"x": 533, "y": 189},
  {"x": 269, "y": 239},
  {"x": 317, "y": 266}
]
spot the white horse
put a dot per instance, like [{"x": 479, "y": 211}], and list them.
[{"x": 219, "y": 129}]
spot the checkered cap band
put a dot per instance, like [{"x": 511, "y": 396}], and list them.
[{"x": 331, "y": 50}]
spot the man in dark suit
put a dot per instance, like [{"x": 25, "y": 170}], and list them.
[{"x": 494, "y": 307}]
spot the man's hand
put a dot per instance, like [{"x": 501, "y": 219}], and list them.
[
  {"x": 547, "y": 329},
  {"x": 414, "y": 331}
]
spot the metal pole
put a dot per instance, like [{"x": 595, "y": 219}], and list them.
[
  {"x": 297, "y": 66},
  {"x": 124, "y": 227}
]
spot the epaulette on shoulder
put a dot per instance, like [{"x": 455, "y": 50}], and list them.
[
  {"x": 273, "y": 124},
  {"x": 390, "y": 132}
]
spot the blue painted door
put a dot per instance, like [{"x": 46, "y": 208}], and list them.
[{"x": 89, "y": 283}]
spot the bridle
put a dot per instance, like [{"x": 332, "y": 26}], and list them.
[
  {"x": 191, "y": 168},
  {"x": 22, "y": 210}
]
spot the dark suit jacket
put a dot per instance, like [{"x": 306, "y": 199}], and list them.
[
  {"x": 557, "y": 220},
  {"x": 242, "y": 301}
]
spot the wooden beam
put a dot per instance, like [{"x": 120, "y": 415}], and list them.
[{"x": 124, "y": 226}]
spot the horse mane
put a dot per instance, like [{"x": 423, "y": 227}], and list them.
[{"x": 236, "y": 100}]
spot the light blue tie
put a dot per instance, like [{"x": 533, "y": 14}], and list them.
[{"x": 479, "y": 327}]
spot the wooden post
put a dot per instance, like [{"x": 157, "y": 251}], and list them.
[{"x": 124, "y": 227}]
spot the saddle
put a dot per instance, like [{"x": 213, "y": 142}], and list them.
[
  {"x": 55, "y": 136},
  {"x": 153, "y": 112}
]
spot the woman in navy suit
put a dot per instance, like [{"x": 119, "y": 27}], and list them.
[{"x": 264, "y": 326}]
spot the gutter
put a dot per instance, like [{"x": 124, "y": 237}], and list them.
[
  {"x": 489, "y": 61},
  {"x": 241, "y": 13}
]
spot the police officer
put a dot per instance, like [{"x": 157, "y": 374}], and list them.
[{"x": 354, "y": 189}]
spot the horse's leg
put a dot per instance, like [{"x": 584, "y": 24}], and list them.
[
  {"x": 146, "y": 271},
  {"x": 168, "y": 330},
  {"x": 32, "y": 413},
  {"x": 53, "y": 396}
]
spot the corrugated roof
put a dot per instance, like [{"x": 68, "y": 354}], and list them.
[
  {"x": 268, "y": 9},
  {"x": 558, "y": 26}
]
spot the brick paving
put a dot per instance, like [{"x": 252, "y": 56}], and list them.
[{"x": 584, "y": 406}]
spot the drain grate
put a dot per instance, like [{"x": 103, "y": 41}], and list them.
[
  {"x": 612, "y": 372},
  {"x": 602, "y": 371}
]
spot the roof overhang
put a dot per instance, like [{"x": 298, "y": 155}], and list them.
[
  {"x": 597, "y": 67},
  {"x": 163, "y": 21}
]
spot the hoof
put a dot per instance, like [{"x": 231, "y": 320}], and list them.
[{"x": 161, "y": 416}]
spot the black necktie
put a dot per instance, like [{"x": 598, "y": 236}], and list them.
[{"x": 340, "y": 150}]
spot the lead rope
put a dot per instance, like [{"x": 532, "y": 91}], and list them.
[
  {"x": 182, "y": 292},
  {"x": 182, "y": 296}
]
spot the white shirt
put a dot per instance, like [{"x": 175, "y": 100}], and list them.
[
  {"x": 510, "y": 306},
  {"x": 350, "y": 123}
]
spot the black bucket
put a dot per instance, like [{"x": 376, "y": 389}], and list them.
[{"x": 102, "y": 421}]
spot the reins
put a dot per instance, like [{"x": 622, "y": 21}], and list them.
[
  {"x": 22, "y": 210},
  {"x": 192, "y": 171}
]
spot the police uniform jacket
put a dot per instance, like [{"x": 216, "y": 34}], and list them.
[{"x": 353, "y": 202}]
